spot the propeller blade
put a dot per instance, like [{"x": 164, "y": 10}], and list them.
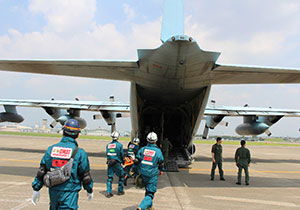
[
  {"x": 223, "y": 123},
  {"x": 205, "y": 132},
  {"x": 268, "y": 133},
  {"x": 97, "y": 116},
  {"x": 53, "y": 124}
]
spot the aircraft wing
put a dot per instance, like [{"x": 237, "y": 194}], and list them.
[
  {"x": 116, "y": 70},
  {"x": 233, "y": 74},
  {"x": 125, "y": 107},
  {"x": 246, "y": 111},
  {"x": 61, "y": 104}
]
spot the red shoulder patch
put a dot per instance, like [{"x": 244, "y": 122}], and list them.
[{"x": 59, "y": 163}]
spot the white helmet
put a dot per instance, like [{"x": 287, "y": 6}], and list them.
[
  {"x": 152, "y": 137},
  {"x": 136, "y": 141},
  {"x": 115, "y": 135}
]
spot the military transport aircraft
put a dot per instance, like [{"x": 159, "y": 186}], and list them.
[{"x": 169, "y": 90}]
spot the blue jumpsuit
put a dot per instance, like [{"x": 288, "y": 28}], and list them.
[
  {"x": 114, "y": 150},
  {"x": 132, "y": 150},
  {"x": 65, "y": 195},
  {"x": 149, "y": 156}
]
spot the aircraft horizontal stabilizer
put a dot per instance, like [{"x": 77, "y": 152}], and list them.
[
  {"x": 115, "y": 70},
  {"x": 230, "y": 74}
]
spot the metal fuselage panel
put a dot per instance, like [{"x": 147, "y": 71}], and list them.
[{"x": 171, "y": 90}]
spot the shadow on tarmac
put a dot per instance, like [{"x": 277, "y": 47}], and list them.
[
  {"x": 177, "y": 179},
  {"x": 203, "y": 180},
  {"x": 199, "y": 158},
  {"x": 90, "y": 154}
]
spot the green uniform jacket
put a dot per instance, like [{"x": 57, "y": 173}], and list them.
[
  {"x": 217, "y": 150},
  {"x": 242, "y": 156}
]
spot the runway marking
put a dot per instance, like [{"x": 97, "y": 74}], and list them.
[
  {"x": 182, "y": 169},
  {"x": 35, "y": 161},
  {"x": 11, "y": 185},
  {"x": 266, "y": 202},
  {"x": 16, "y": 183},
  {"x": 22, "y": 205}
]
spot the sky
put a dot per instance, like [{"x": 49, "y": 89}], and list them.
[{"x": 249, "y": 32}]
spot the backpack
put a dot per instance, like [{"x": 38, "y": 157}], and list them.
[{"x": 60, "y": 175}]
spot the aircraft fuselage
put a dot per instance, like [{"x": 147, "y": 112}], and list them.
[{"x": 171, "y": 90}]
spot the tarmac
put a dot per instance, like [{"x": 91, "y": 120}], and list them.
[{"x": 274, "y": 179}]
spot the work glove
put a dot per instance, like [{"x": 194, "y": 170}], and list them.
[
  {"x": 90, "y": 196},
  {"x": 35, "y": 197}
]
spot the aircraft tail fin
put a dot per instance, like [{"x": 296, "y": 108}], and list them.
[{"x": 173, "y": 19}]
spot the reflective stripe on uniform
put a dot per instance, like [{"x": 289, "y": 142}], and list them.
[{"x": 147, "y": 162}]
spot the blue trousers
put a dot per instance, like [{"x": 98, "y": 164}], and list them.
[
  {"x": 118, "y": 170},
  {"x": 63, "y": 199},
  {"x": 151, "y": 187}
]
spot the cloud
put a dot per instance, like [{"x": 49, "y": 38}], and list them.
[
  {"x": 129, "y": 11},
  {"x": 65, "y": 17},
  {"x": 289, "y": 8}
]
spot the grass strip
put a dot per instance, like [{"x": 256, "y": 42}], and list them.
[{"x": 270, "y": 142}]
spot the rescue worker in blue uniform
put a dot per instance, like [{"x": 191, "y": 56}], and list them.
[
  {"x": 65, "y": 195},
  {"x": 150, "y": 160},
  {"x": 132, "y": 149},
  {"x": 115, "y": 157}
]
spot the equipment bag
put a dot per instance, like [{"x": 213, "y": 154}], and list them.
[
  {"x": 139, "y": 181},
  {"x": 112, "y": 162},
  {"x": 60, "y": 175}
]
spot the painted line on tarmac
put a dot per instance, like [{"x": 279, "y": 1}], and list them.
[
  {"x": 11, "y": 185},
  {"x": 266, "y": 202},
  {"x": 23, "y": 204},
  {"x": 18, "y": 160},
  {"x": 182, "y": 169},
  {"x": 35, "y": 161},
  {"x": 229, "y": 170}
]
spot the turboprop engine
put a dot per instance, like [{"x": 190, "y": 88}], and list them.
[
  {"x": 63, "y": 115},
  {"x": 10, "y": 115},
  {"x": 254, "y": 125},
  {"x": 211, "y": 122}
]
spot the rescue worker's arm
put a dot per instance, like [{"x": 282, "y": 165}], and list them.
[
  {"x": 38, "y": 182},
  {"x": 138, "y": 157},
  {"x": 135, "y": 151},
  {"x": 84, "y": 172},
  {"x": 160, "y": 161},
  {"x": 122, "y": 154}
]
